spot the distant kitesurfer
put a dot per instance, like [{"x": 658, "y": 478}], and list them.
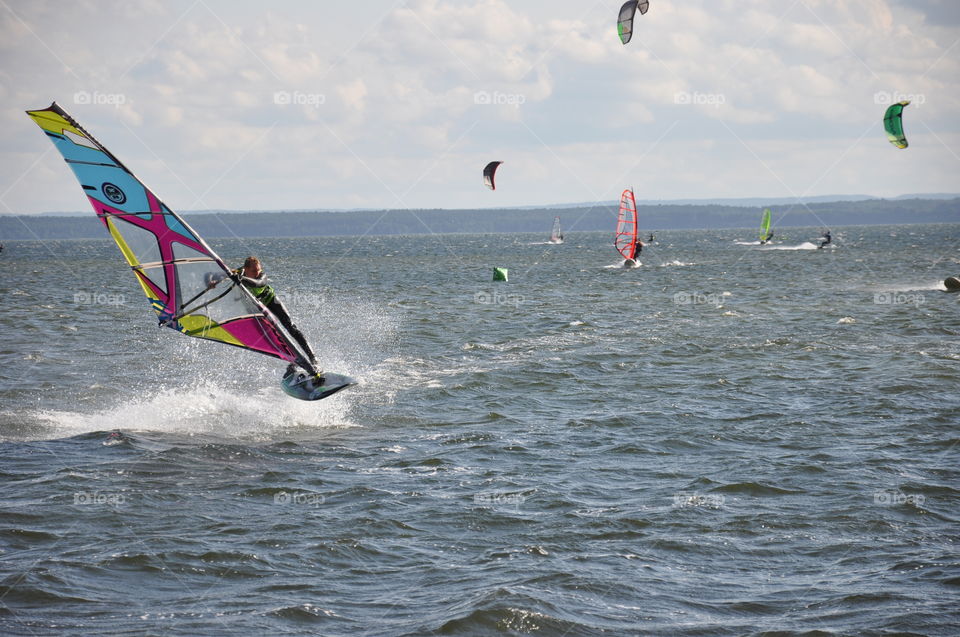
[
  {"x": 826, "y": 239},
  {"x": 650, "y": 240}
]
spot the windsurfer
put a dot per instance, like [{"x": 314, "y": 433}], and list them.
[
  {"x": 826, "y": 239},
  {"x": 255, "y": 280},
  {"x": 637, "y": 249},
  {"x": 252, "y": 277},
  {"x": 767, "y": 238}
]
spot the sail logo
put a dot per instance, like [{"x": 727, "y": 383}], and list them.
[{"x": 113, "y": 193}]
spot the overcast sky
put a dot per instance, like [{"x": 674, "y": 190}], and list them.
[{"x": 223, "y": 104}]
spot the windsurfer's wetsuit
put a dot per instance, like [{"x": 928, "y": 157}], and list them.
[
  {"x": 826, "y": 239},
  {"x": 266, "y": 295},
  {"x": 637, "y": 249}
]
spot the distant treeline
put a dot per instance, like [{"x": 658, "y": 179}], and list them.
[{"x": 582, "y": 219}]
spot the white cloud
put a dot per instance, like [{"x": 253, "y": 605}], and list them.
[{"x": 385, "y": 94}]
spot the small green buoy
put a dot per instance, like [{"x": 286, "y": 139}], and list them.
[{"x": 499, "y": 274}]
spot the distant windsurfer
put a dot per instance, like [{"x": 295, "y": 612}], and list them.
[
  {"x": 826, "y": 239},
  {"x": 768, "y": 238}
]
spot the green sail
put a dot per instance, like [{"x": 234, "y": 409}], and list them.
[
  {"x": 893, "y": 124},
  {"x": 765, "y": 225}
]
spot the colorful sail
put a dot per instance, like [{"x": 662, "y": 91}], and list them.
[
  {"x": 893, "y": 124},
  {"x": 765, "y": 225},
  {"x": 555, "y": 236},
  {"x": 626, "y": 239},
  {"x": 627, "y": 14},
  {"x": 187, "y": 284},
  {"x": 489, "y": 171}
]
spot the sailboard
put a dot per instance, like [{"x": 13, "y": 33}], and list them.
[
  {"x": 189, "y": 287},
  {"x": 555, "y": 236},
  {"x": 308, "y": 387},
  {"x": 626, "y": 238},
  {"x": 765, "y": 226}
]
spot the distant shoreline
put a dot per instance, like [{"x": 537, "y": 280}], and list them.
[{"x": 600, "y": 217}]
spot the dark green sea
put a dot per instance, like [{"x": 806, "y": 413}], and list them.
[{"x": 732, "y": 439}]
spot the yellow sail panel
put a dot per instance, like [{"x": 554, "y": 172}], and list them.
[
  {"x": 202, "y": 327},
  {"x": 56, "y": 123}
]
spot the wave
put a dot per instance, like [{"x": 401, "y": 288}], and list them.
[
  {"x": 806, "y": 245},
  {"x": 207, "y": 408}
]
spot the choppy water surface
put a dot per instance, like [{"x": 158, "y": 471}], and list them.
[{"x": 730, "y": 440}]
